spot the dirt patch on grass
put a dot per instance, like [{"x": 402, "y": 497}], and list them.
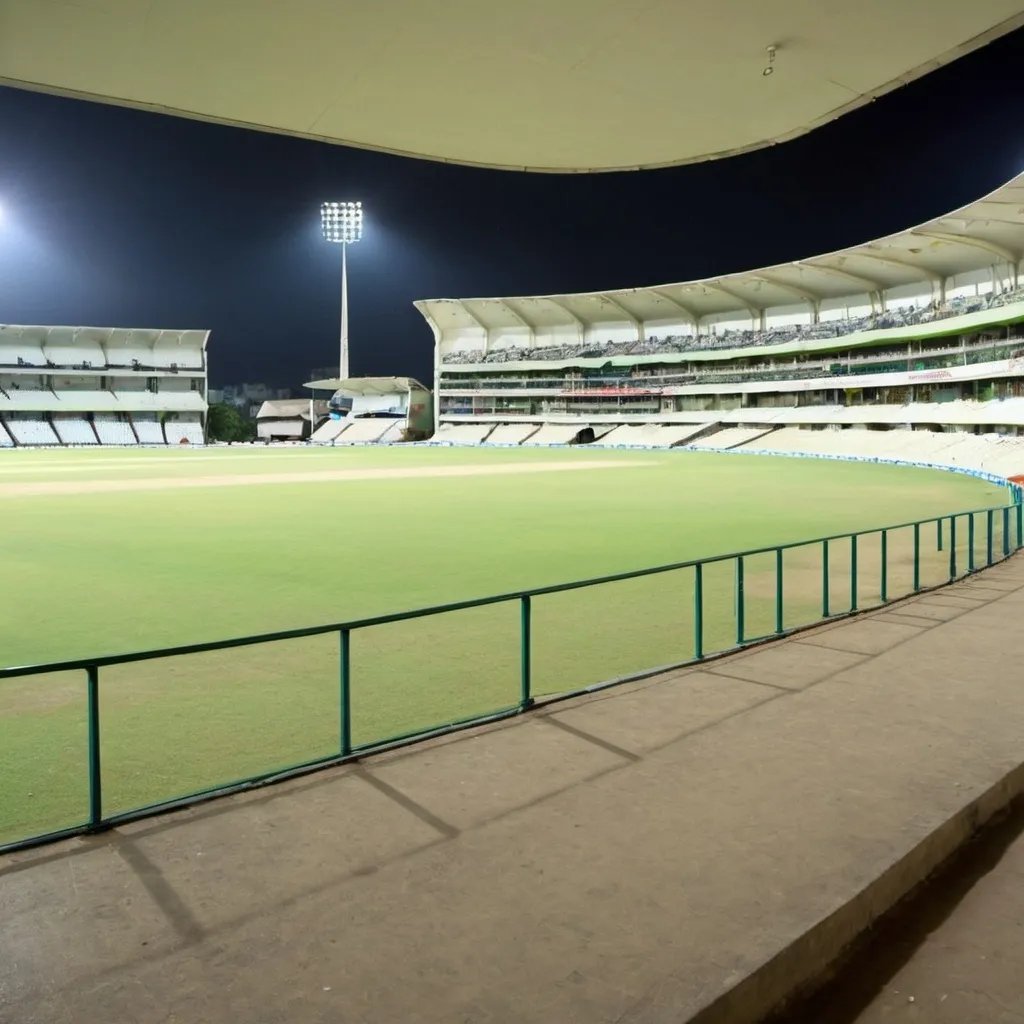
[{"x": 47, "y": 487}]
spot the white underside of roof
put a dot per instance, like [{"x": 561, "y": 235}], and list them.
[
  {"x": 982, "y": 242},
  {"x": 575, "y": 86}
]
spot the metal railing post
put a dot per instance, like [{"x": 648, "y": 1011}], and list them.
[
  {"x": 525, "y": 651},
  {"x": 970, "y": 543},
  {"x": 917, "y": 557},
  {"x": 698, "y": 611},
  {"x": 853, "y": 572},
  {"x": 824, "y": 580},
  {"x": 938, "y": 534},
  {"x": 884, "y": 589},
  {"x": 345, "y": 696},
  {"x": 988, "y": 537},
  {"x": 739, "y": 601},
  {"x": 779, "y": 619},
  {"x": 952, "y": 547},
  {"x": 1020, "y": 524},
  {"x": 95, "y": 770},
  {"x": 1006, "y": 532}
]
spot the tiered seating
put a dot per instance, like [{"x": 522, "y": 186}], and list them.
[
  {"x": 1003, "y": 455},
  {"x": 5, "y": 438},
  {"x": 364, "y": 431},
  {"x": 395, "y": 433},
  {"x": 650, "y": 435},
  {"x": 32, "y": 431},
  {"x": 73, "y": 429},
  {"x": 181, "y": 431},
  {"x": 556, "y": 433},
  {"x": 149, "y": 431},
  {"x": 463, "y": 433},
  {"x": 111, "y": 430},
  {"x": 328, "y": 431},
  {"x": 731, "y": 437},
  {"x": 511, "y": 433}
]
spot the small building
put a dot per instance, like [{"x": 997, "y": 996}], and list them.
[{"x": 288, "y": 419}]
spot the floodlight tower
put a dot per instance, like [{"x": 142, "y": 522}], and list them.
[{"x": 342, "y": 223}]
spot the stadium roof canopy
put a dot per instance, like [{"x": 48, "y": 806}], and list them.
[
  {"x": 367, "y": 385},
  {"x": 985, "y": 234},
  {"x": 577, "y": 85}
]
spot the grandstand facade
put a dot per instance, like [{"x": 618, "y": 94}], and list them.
[
  {"x": 909, "y": 347},
  {"x": 101, "y": 386}
]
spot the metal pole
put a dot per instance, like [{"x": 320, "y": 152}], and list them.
[
  {"x": 952, "y": 547},
  {"x": 525, "y": 679},
  {"x": 346, "y": 693},
  {"x": 853, "y": 572},
  {"x": 970, "y": 543},
  {"x": 343, "y": 355},
  {"x": 779, "y": 619},
  {"x": 698, "y": 612},
  {"x": 917, "y": 557},
  {"x": 885, "y": 566},
  {"x": 1006, "y": 532},
  {"x": 824, "y": 580},
  {"x": 95, "y": 775},
  {"x": 988, "y": 536},
  {"x": 739, "y": 601}
]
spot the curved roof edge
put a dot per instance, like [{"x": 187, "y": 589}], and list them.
[{"x": 983, "y": 239}]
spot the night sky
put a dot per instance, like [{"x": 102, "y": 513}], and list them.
[{"x": 115, "y": 217}]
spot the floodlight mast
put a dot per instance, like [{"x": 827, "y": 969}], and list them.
[{"x": 341, "y": 224}]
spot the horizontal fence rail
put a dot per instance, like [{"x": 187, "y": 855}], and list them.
[{"x": 689, "y": 611}]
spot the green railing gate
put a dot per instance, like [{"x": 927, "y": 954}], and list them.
[{"x": 731, "y": 601}]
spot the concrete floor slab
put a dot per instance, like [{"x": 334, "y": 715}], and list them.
[
  {"x": 861, "y": 636},
  {"x": 698, "y": 845},
  {"x": 518, "y": 765},
  {"x": 221, "y": 862},
  {"x": 788, "y": 666},
  {"x": 662, "y": 712},
  {"x": 935, "y": 611}
]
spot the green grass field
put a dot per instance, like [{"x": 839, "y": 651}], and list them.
[{"x": 195, "y": 546}]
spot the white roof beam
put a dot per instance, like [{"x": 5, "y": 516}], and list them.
[
  {"x": 867, "y": 282},
  {"x": 681, "y": 306},
  {"x": 717, "y": 286},
  {"x": 800, "y": 293},
  {"x": 637, "y": 323},
  {"x": 581, "y": 327},
  {"x": 975, "y": 243}
]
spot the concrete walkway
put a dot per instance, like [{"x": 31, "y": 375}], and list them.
[{"x": 688, "y": 848}]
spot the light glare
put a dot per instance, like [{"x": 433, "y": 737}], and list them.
[{"x": 341, "y": 222}]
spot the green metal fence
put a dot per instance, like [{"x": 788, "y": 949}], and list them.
[{"x": 89, "y": 744}]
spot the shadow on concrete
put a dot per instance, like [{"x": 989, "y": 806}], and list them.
[{"x": 880, "y": 954}]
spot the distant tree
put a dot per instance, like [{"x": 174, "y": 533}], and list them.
[{"x": 225, "y": 423}]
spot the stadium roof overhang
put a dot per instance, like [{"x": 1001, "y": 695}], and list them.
[
  {"x": 367, "y": 385},
  {"x": 984, "y": 234},
  {"x": 581, "y": 85}
]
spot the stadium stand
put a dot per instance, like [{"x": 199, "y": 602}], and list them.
[
  {"x": 463, "y": 433},
  {"x": 731, "y": 437},
  {"x": 556, "y": 433},
  {"x": 73, "y": 430},
  {"x": 111, "y": 430},
  {"x": 511, "y": 433},
  {"x": 328, "y": 431},
  {"x": 72, "y": 378},
  {"x": 27, "y": 429},
  {"x": 148, "y": 429},
  {"x": 183, "y": 430},
  {"x": 868, "y": 352},
  {"x": 5, "y": 438},
  {"x": 364, "y": 431}
]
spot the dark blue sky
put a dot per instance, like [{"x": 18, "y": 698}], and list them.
[{"x": 119, "y": 218}]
